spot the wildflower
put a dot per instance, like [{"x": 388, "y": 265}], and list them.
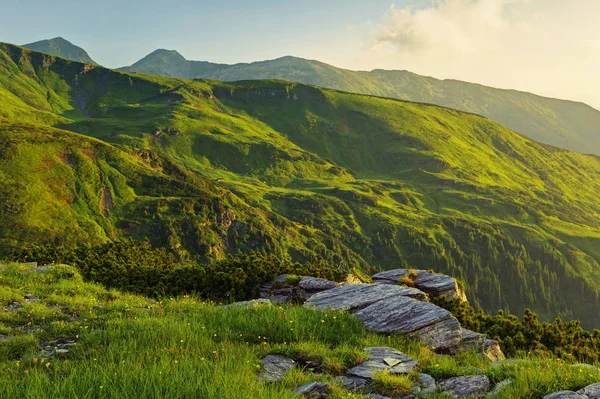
[
  {"x": 182, "y": 340},
  {"x": 322, "y": 321},
  {"x": 47, "y": 364}
]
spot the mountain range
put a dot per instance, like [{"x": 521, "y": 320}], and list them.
[
  {"x": 565, "y": 124},
  {"x": 208, "y": 168},
  {"x": 62, "y": 48}
]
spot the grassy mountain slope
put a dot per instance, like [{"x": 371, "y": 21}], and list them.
[
  {"x": 208, "y": 168},
  {"x": 62, "y": 48},
  {"x": 564, "y": 124}
]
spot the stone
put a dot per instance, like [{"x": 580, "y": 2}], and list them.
[
  {"x": 565, "y": 395},
  {"x": 353, "y": 297},
  {"x": 314, "y": 390},
  {"x": 14, "y": 306},
  {"x": 40, "y": 269},
  {"x": 591, "y": 391},
  {"x": 491, "y": 350},
  {"x": 31, "y": 298},
  {"x": 422, "y": 320},
  {"x": 434, "y": 284},
  {"x": 499, "y": 387},
  {"x": 252, "y": 303},
  {"x": 382, "y": 359},
  {"x": 352, "y": 383},
  {"x": 275, "y": 367},
  {"x": 425, "y": 386},
  {"x": 314, "y": 284},
  {"x": 464, "y": 387}
]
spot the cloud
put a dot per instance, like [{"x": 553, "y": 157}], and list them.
[{"x": 551, "y": 47}]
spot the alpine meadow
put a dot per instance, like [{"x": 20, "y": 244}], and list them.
[{"x": 290, "y": 229}]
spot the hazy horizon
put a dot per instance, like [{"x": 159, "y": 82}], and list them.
[{"x": 510, "y": 44}]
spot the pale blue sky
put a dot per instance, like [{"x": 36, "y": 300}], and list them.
[
  {"x": 119, "y": 32},
  {"x": 548, "y": 47}
]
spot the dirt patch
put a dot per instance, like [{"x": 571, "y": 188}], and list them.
[
  {"x": 89, "y": 152},
  {"x": 106, "y": 202}
]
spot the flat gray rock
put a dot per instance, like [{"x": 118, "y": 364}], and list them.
[
  {"x": 382, "y": 359},
  {"x": 565, "y": 395},
  {"x": 314, "y": 390},
  {"x": 314, "y": 284},
  {"x": 464, "y": 387},
  {"x": 591, "y": 391},
  {"x": 353, "y": 297},
  {"x": 432, "y": 283},
  {"x": 275, "y": 367},
  {"x": 499, "y": 387},
  {"x": 429, "y": 323},
  {"x": 352, "y": 383}
]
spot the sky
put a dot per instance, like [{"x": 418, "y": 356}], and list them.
[{"x": 548, "y": 47}]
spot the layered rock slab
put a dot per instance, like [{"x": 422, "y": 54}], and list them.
[
  {"x": 434, "y": 284},
  {"x": 466, "y": 387}
]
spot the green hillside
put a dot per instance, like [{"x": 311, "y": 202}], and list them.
[
  {"x": 62, "y": 48},
  {"x": 565, "y": 124},
  {"x": 205, "y": 168}
]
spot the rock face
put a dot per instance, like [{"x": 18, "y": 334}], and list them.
[
  {"x": 275, "y": 367},
  {"x": 422, "y": 320},
  {"x": 314, "y": 390},
  {"x": 355, "y": 297},
  {"x": 591, "y": 391},
  {"x": 565, "y": 395},
  {"x": 434, "y": 284},
  {"x": 381, "y": 359},
  {"x": 282, "y": 288},
  {"x": 464, "y": 387}
]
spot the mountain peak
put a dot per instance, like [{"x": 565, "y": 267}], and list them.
[{"x": 61, "y": 47}]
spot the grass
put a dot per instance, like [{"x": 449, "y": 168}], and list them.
[
  {"x": 361, "y": 182},
  {"x": 131, "y": 346}
]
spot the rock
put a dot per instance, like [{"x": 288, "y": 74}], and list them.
[
  {"x": 253, "y": 303},
  {"x": 353, "y": 297},
  {"x": 491, "y": 349},
  {"x": 429, "y": 323},
  {"x": 381, "y": 359},
  {"x": 471, "y": 340},
  {"x": 565, "y": 395},
  {"x": 61, "y": 351},
  {"x": 352, "y": 279},
  {"x": 499, "y": 387},
  {"x": 464, "y": 387},
  {"x": 275, "y": 367},
  {"x": 591, "y": 391},
  {"x": 314, "y": 284},
  {"x": 314, "y": 390},
  {"x": 31, "y": 298},
  {"x": 434, "y": 284},
  {"x": 352, "y": 383},
  {"x": 14, "y": 307},
  {"x": 39, "y": 269},
  {"x": 425, "y": 386}
]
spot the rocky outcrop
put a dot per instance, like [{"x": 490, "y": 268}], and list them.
[
  {"x": 287, "y": 288},
  {"x": 465, "y": 387},
  {"x": 471, "y": 340},
  {"x": 355, "y": 297},
  {"x": 275, "y": 367},
  {"x": 434, "y": 284},
  {"x": 422, "y": 320}
]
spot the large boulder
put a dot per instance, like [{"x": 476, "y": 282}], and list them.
[
  {"x": 275, "y": 367},
  {"x": 591, "y": 391},
  {"x": 422, "y": 320},
  {"x": 382, "y": 359},
  {"x": 354, "y": 297},
  {"x": 466, "y": 387},
  {"x": 434, "y": 284},
  {"x": 314, "y": 284},
  {"x": 290, "y": 288}
]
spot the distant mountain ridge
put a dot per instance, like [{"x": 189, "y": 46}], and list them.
[
  {"x": 565, "y": 124},
  {"x": 61, "y": 48}
]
